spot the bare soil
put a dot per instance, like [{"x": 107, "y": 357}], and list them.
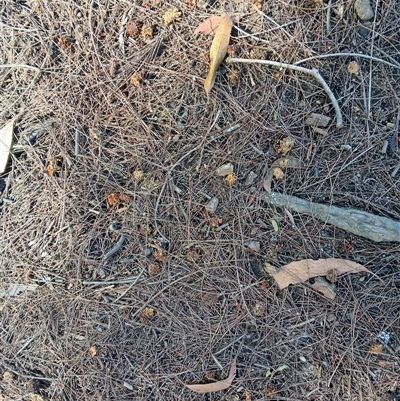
[{"x": 115, "y": 138}]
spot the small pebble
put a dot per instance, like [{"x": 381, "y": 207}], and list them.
[
  {"x": 254, "y": 246},
  {"x": 364, "y": 10},
  {"x": 250, "y": 178},
  {"x": 224, "y": 170},
  {"x": 331, "y": 318},
  {"x": 212, "y": 205},
  {"x": 128, "y": 386}
]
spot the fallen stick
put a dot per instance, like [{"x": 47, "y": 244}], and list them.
[
  {"x": 116, "y": 248},
  {"x": 313, "y": 72},
  {"x": 358, "y": 222}
]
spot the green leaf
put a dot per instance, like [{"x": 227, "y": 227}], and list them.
[
  {"x": 282, "y": 367},
  {"x": 268, "y": 373},
  {"x": 275, "y": 225}
]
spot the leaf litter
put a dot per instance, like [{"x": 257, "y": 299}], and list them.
[
  {"x": 217, "y": 386},
  {"x": 302, "y": 270},
  {"x": 218, "y": 50}
]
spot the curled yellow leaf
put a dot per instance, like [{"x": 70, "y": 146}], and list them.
[{"x": 218, "y": 50}]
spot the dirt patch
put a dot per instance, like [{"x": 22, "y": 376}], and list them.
[{"x": 136, "y": 262}]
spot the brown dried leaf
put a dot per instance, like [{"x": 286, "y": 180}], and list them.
[
  {"x": 325, "y": 288},
  {"x": 217, "y": 386},
  {"x": 209, "y": 25},
  {"x": 302, "y": 270},
  {"x": 218, "y": 50}
]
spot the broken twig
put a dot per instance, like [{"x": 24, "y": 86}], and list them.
[
  {"x": 116, "y": 248},
  {"x": 313, "y": 72}
]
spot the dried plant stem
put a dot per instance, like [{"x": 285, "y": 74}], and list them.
[
  {"x": 313, "y": 72},
  {"x": 366, "y": 56},
  {"x": 29, "y": 67}
]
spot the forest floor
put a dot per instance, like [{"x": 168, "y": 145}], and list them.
[{"x": 117, "y": 145}]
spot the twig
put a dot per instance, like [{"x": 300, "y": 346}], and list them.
[
  {"x": 116, "y": 248},
  {"x": 328, "y": 17},
  {"x": 29, "y": 67},
  {"x": 313, "y": 72},
  {"x": 77, "y": 142},
  {"x": 113, "y": 282},
  {"x": 129, "y": 288},
  {"x": 366, "y": 56}
]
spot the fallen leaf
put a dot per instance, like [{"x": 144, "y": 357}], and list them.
[
  {"x": 281, "y": 368},
  {"x": 302, "y": 270},
  {"x": 6, "y": 138},
  {"x": 325, "y": 288},
  {"x": 217, "y": 386},
  {"x": 209, "y": 25},
  {"x": 218, "y": 50},
  {"x": 275, "y": 225}
]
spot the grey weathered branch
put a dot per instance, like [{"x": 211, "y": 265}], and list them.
[{"x": 358, "y": 222}]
